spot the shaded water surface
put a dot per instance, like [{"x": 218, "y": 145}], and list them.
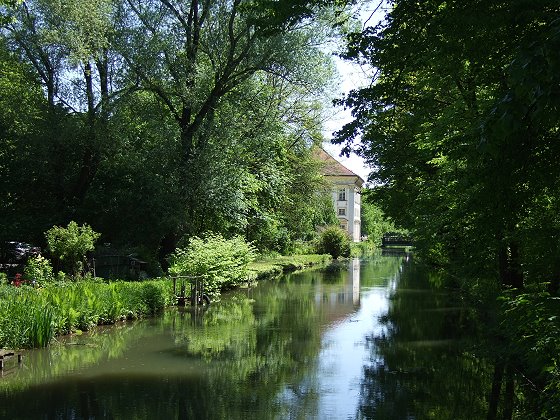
[{"x": 361, "y": 339}]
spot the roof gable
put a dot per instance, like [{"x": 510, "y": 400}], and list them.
[{"x": 332, "y": 167}]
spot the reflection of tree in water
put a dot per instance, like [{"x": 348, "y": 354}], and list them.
[
  {"x": 421, "y": 367},
  {"x": 254, "y": 355},
  {"x": 230, "y": 362}
]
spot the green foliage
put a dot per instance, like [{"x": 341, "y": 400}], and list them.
[
  {"x": 25, "y": 319},
  {"x": 71, "y": 244},
  {"x": 222, "y": 263},
  {"x": 154, "y": 296},
  {"x": 216, "y": 137},
  {"x": 374, "y": 223},
  {"x": 38, "y": 269},
  {"x": 3, "y": 279},
  {"x": 531, "y": 323},
  {"x": 32, "y": 317},
  {"x": 362, "y": 249},
  {"x": 5, "y": 18},
  {"x": 463, "y": 134},
  {"x": 335, "y": 241}
]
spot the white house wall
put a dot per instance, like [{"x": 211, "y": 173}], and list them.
[{"x": 351, "y": 220}]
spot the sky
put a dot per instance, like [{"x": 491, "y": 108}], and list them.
[{"x": 352, "y": 76}]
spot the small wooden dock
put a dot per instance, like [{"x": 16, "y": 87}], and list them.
[{"x": 8, "y": 354}]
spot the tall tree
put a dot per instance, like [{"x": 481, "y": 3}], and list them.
[
  {"x": 67, "y": 43},
  {"x": 436, "y": 123},
  {"x": 461, "y": 121},
  {"x": 203, "y": 111},
  {"x": 192, "y": 55}
]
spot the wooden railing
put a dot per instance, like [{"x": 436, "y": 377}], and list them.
[{"x": 396, "y": 239}]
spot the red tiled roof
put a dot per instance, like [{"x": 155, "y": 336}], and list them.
[{"x": 332, "y": 167}]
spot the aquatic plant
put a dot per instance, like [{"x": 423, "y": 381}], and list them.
[{"x": 32, "y": 317}]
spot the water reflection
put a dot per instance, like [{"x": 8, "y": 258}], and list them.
[
  {"x": 420, "y": 366},
  {"x": 356, "y": 340}
]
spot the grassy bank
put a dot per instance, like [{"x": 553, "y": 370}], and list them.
[
  {"x": 32, "y": 317},
  {"x": 274, "y": 266}
]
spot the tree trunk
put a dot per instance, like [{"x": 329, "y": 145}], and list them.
[
  {"x": 495, "y": 392},
  {"x": 509, "y": 393},
  {"x": 90, "y": 157},
  {"x": 511, "y": 274}
]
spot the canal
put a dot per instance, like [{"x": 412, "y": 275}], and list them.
[{"x": 372, "y": 338}]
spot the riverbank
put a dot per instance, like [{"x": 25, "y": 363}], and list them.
[
  {"x": 32, "y": 317},
  {"x": 275, "y": 266}
]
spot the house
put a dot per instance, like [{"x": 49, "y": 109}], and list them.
[{"x": 346, "y": 193}]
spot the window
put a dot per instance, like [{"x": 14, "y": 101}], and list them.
[
  {"x": 342, "y": 212},
  {"x": 342, "y": 194}
]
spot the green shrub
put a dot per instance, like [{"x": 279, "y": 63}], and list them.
[
  {"x": 223, "y": 263},
  {"x": 71, "y": 244},
  {"x": 153, "y": 297},
  {"x": 334, "y": 241},
  {"x": 3, "y": 279},
  {"x": 38, "y": 269}
]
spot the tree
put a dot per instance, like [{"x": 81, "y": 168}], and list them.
[
  {"x": 67, "y": 46},
  {"x": 462, "y": 130},
  {"x": 374, "y": 223},
  {"x": 199, "y": 56},
  {"x": 439, "y": 172},
  {"x": 71, "y": 244},
  {"x": 173, "y": 125}
]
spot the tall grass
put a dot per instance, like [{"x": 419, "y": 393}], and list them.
[
  {"x": 41, "y": 329},
  {"x": 32, "y": 317}
]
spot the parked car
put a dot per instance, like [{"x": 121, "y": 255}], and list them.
[{"x": 13, "y": 252}]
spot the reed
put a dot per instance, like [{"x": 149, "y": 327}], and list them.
[
  {"x": 41, "y": 327},
  {"x": 32, "y": 317}
]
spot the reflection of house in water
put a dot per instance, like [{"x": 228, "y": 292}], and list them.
[{"x": 339, "y": 293}]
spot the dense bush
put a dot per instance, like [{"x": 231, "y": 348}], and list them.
[
  {"x": 222, "y": 263},
  {"x": 334, "y": 241}
]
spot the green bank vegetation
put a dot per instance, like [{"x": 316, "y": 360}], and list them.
[
  {"x": 31, "y": 317},
  {"x": 45, "y": 305},
  {"x": 266, "y": 267}
]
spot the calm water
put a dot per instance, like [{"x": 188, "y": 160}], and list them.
[{"x": 362, "y": 339}]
